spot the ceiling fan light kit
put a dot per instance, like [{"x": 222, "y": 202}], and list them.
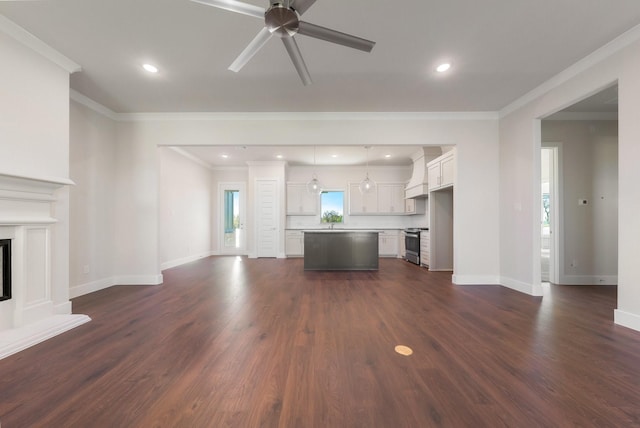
[{"x": 282, "y": 18}]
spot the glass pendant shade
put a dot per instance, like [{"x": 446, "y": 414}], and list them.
[
  {"x": 367, "y": 185},
  {"x": 314, "y": 186}
]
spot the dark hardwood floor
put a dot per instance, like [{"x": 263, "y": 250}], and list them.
[{"x": 236, "y": 342}]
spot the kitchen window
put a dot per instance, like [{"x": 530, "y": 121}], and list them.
[{"x": 332, "y": 206}]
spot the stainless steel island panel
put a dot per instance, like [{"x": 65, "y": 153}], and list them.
[{"x": 340, "y": 250}]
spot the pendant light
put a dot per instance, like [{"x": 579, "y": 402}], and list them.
[
  {"x": 313, "y": 186},
  {"x": 367, "y": 185}
]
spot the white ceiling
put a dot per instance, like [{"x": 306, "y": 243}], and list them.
[
  {"x": 500, "y": 50},
  {"x": 304, "y": 155}
]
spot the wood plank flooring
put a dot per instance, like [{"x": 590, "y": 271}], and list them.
[{"x": 237, "y": 342}]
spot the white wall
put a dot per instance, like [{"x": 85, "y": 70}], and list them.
[
  {"x": 137, "y": 227},
  {"x": 34, "y": 113},
  {"x": 185, "y": 209},
  {"x": 92, "y": 200},
  {"x": 519, "y": 181},
  {"x": 589, "y": 239}
]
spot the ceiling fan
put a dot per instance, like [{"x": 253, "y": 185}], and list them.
[{"x": 283, "y": 19}]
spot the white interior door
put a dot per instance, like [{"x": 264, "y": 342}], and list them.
[
  {"x": 267, "y": 218},
  {"x": 232, "y": 232}
]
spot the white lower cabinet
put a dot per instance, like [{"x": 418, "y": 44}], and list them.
[
  {"x": 388, "y": 243},
  {"x": 294, "y": 243},
  {"x": 424, "y": 248}
]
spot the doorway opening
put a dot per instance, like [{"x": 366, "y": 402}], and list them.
[
  {"x": 549, "y": 215},
  {"x": 232, "y": 218},
  {"x": 579, "y": 192}
]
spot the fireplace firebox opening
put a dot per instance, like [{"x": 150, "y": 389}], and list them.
[{"x": 5, "y": 269}]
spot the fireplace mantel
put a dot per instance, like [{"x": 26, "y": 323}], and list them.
[{"x": 38, "y": 308}]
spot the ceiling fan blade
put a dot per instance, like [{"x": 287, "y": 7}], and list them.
[
  {"x": 301, "y": 6},
  {"x": 235, "y": 6},
  {"x": 334, "y": 36},
  {"x": 252, "y": 48},
  {"x": 296, "y": 58}
]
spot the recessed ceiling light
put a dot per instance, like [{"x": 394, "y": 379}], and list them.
[
  {"x": 150, "y": 68},
  {"x": 224, "y": 156},
  {"x": 443, "y": 67},
  {"x": 279, "y": 156},
  {"x": 387, "y": 156},
  {"x": 334, "y": 156}
]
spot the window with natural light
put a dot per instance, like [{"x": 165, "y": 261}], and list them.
[{"x": 332, "y": 206}]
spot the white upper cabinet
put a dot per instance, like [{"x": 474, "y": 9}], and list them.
[
  {"x": 300, "y": 201},
  {"x": 441, "y": 171},
  {"x": 391, "y": 199},
  {"x": 387, "y": 199},
  {"x": 362, "y": 203}
]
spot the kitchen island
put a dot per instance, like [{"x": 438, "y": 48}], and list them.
[{"x": 340, "y": 250}]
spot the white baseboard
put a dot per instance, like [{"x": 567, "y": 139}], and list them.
[
  {"x": 183, "y": 260},
  {"x": 18, "y": 339},
  {"x": 101, "y": 284},
  {"x": 589, "y": 279},
  {"x": 139, "y": 279},
  {"x": 626, "y": 319},
  {"x": 475, "y": 280},
  {"x": 90, "y": 287},
  {"x": 523, "y": 287}
]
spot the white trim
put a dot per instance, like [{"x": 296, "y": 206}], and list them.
[
  {"x": 299, "y": 116},
  {"x": 189, "y": 156},
  {"x": 475, "y": 279},
  {"x": 626, "y": 319},
  {"x": 18, "y": 339},
  {"x": 90, "y": 287},
  {"x": 589, "y": 280},
  {"x": 520, "y": 286},
  {"x": 93, "y": 105},
  {"x": 35, "y": 44},
  {"x": 138, "y": 279},
  {"x": 614, "y": 46},
  {"x": 184, "y": 260},
  {"x": 574, "y": 115}
]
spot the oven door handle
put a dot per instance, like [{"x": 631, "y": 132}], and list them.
[{"x": 412, "y": 235}]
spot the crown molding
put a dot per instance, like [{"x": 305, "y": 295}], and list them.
[
  {"x": 573, "y": 115},
  {"x": 89, "y": 103},
  {"x": 599, "y": 55},
  {"x": 278, "y": 116},
  {"x": 18, "y": 33},
  {"x": 189, "y": 156},
  {"x": 306, "y": 116}
]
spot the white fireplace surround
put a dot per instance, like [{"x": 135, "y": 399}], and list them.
[{"x": 39, "y": 308}]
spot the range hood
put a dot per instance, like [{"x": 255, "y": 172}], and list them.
[{"x": 418, "y": 185}]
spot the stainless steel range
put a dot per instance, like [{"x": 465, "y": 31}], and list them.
[{"x": 412, "y": 244}]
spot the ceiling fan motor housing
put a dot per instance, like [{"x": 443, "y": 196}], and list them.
[{"x": 281, "y": 20}]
